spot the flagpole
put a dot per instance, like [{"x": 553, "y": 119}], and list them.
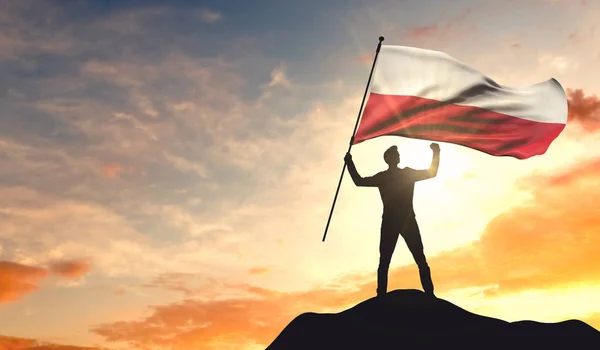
[{"x": 353, "y": 133}]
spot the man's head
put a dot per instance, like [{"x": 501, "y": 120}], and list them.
[{"x": 391, "y": 156}]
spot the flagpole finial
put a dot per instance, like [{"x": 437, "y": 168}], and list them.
[{"x": 379, "y": 45}]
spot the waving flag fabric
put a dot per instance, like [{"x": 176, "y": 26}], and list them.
[{"x": 426, "y": 94}]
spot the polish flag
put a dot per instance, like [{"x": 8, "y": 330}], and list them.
[{"x": 430, "y": 95}]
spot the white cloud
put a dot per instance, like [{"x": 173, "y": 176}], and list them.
[
  {"x": 190, "y": 225},
  {"x": 279, "y": 78},
  {"x": 209, "y": 16},
  {"x": 185, "y": 165},
  {"x": 129, "y": 21},
  {"x": 136, "y": 124},
  {"x": 561, "y": 64}
]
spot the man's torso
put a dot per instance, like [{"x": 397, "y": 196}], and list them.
[{"x": 396, "y": 188}]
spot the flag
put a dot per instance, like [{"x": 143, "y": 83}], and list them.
[{"x": 430, "y": 95}]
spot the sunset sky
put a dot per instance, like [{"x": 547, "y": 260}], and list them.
[{"x": 167, "y": 169}]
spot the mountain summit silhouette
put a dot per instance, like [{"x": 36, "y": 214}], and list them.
[{"x": 410, "y": 319}]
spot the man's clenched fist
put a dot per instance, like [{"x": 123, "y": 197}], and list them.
[{"x": 348, "y": 157}]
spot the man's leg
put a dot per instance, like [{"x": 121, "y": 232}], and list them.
[
  {"x": 387, "y": 244},
  {"x": 412, "y": 237}
]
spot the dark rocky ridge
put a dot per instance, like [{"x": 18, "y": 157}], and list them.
[{"x": 409, "y": 319}]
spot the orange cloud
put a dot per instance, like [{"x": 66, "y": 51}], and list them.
[
  {"x": 72, "y": 268},
  {"x": 365, "y": 58},
  {"x": 112, "y": 170},
  {"x": 583, "y": 171},
  {"x": 425, "y": 32},
  {"x": 18, "y": 280},
  {"x": 422, "y": 32},
  {"x": 235, "y": 322},
  {"x": 13, "y": 343},
  {"x": 584, "y": 110},
  {"x": 258, "y": 270}
]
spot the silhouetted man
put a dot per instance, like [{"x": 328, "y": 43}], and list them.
[{"x": 396, "y": 187}]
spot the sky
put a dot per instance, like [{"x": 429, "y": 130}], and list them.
[{"x": 168, "y": 169}]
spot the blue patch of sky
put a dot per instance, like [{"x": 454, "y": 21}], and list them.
[{"x": 294, "y": 32}]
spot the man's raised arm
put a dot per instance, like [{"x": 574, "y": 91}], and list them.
[
  {"x": 358, "y": 180},
  {"x": 433, "y": 168}
]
